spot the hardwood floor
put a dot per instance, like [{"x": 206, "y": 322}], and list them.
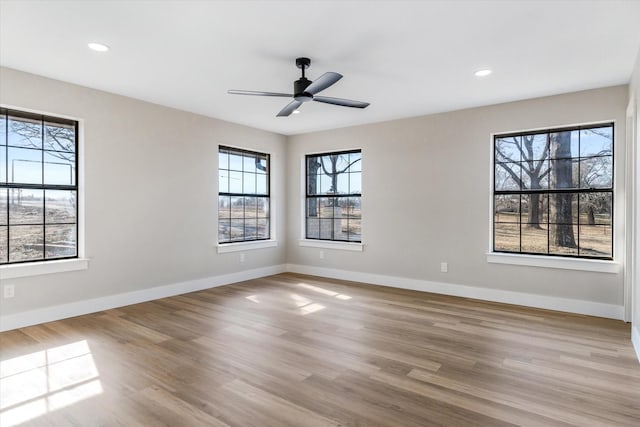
[{"x": 305, "y": 351}]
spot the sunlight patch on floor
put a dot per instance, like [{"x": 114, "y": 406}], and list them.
[
  {"x": 37, "y": 383},
  {"x": 253, "y": 298},
  {"x": 318, "y": 289},
  {"x": 324, "y": 291},
  {"x": 299, "y": 300},
  {"x": 310, "y": 308}
]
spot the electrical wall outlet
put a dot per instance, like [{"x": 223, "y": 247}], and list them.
[
  {"x": 241, "y": 257},
  {"x": 9, "y": 291},
  {"x": 444, "y": 267},
  {"x": 321, "y": 254}
]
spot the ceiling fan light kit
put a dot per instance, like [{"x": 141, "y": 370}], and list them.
[{"x": 305, "y": 90}]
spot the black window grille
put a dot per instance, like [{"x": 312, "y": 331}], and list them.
[
  {"x": 553, "y": 192},
  {"x": 38, "y": 187},
  {"x": 243, "y": 196},
  {"x": 333, "y": 196}
]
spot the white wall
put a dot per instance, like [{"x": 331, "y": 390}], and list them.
[
  {"x": 426, "y": 198},
  {"x": 151, "y": 193},
  {"x": 634, "y": 96}
]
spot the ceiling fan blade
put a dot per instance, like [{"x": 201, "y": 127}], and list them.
[
  {"x": 257, "y": 93},
  {"x": 323, "y": 82},
  {"x": 289, "y": 108},
  {"x": 340, "y": 101}
]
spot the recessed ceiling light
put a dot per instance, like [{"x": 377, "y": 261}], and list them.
[
  {"x": 296, "y": 111},
  {"x": 483, "y": 73},
  {"x": 98, "y": 47}
]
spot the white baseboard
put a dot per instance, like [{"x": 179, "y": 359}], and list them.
[
  {"x": 530, "y": 300},
  {"x": 635, "y": 339},
  {"x": 63, "y": 311}
]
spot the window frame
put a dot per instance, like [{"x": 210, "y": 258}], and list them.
[
  {"x": 43, "y": 265},
  {"x": 325, "y": 242},
  {"x": 578, "y": 261},
  {"x": 253, "y": 243}
]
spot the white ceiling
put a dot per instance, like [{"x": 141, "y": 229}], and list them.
[{"x": 407, "y": 58}]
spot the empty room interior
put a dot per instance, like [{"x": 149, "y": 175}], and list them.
[{"x": 319, "y": 213}]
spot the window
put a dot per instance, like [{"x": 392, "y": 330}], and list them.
[
  {"x": 38, "y": 187},
  {"x": 553, "y": 192},
  {"x": 243, "y": 196},
  {"x": 333, "y": 196}
]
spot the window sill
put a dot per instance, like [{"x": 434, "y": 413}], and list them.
[
  {"x": 328, "y": 244},
  {"x": 246, "y": 246},
  {"x": 43, "y": 267},
  {"x": 594, "y": 265}
]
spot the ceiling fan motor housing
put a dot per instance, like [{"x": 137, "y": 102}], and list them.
[{"x": 299, "y": 87}]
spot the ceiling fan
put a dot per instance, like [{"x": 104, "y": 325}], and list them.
[{"x": 304, "y": 90}]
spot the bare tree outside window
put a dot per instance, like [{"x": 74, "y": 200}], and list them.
[
  {"x": 553, "y": 192},
  {"x": 38, "y": 187},
  {"x": 333, "y": 196}
]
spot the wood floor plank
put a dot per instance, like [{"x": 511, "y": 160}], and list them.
[
  {"x": 182, "y": 412},
  {"x": 282, "y": 410},
  {"x": 499, "y": 411},
  {"x": 295, "y": 350}
]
